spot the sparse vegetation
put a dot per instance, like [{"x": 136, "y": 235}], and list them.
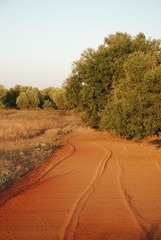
[{"x": 28, "y": 138}]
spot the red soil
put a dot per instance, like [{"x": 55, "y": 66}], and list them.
[{"x": 91, "y": 189}]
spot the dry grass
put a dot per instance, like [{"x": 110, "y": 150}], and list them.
[{"x": 28, "y": 138}]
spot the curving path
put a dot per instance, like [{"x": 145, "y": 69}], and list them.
[{"x": 92, "y": 189}]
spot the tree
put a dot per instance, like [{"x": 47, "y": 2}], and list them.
[
  {"x": 47, "y": 104},
  {"x": 2, "y": 95},
  {"x": 22, "y": 101},
  {"x": 73, "y": 86},
  {"x": 58, "y": 96},
  {"x": 11, "y": 96},
  {"x": 48, "y": 99},
  {"x": 33, "y": 97},
  {"x": 93, "y": 76},
  {"x": 28, "y": 98},
  {"x": 109, "y": 85},
  {"x": 118, "y": 46},
  {"x": 134, "y": 109}
]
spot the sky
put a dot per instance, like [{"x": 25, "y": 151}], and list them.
[{"x": 39, "y": 39}]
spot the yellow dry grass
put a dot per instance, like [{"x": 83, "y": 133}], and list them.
[{"x": 28, "y": 138}]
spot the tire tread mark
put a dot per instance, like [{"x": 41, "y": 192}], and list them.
[
  {"x": 70, "y": 229},
  {"x": 146, "y": 227},
  {"x": 44, "y": 170},
  {"x": 156, "y": 160}
]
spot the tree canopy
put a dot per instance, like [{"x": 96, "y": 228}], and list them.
[
  {"x": 118, "y": 85},
  {"x": 25, "y": 97}
]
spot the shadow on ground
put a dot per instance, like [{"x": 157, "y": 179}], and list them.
[
  {"x": 156, "y": 142},
  {"x": 154, "y": 233}
]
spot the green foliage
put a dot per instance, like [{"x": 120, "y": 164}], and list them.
[
  {"x": 47, "y": 104},
  {"x": 10, "y": 97},
  {"x": 24, "y": 97},
  {"x": 2, "y": 95},
  {"x": 58, "y": 96},
  {"x": 73, "y": 86},
  {"x": 46, "y": 98},
  {"x": 22, "y": 101},
  {"x": 55, "y": 98},
  {"x": 134, "y": 110},
  {"x": 118, "y": 86},
  {"x": 28, "y": 98}
]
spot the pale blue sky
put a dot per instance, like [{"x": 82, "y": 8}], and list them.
[{"x": 39, "y": 39}]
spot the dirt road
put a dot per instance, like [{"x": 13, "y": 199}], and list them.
[{"x": 91, "y": 190}]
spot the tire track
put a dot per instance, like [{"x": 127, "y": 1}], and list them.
[
  {"x": 34, "y": 177},
  {"x": 155, "y": 160},
  {"x": 155, "y": 229},
  {"x": 151, "y": 232},
  {"x": 72, "y": 224},
  {"x": 128, "y": 198}
]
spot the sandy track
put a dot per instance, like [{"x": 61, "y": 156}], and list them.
[{"x": 91, "y": 190}]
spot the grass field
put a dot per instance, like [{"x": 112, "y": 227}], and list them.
[{"x": 28, "y": 138}]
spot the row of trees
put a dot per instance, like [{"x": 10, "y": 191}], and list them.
[
  {"x": 118, "y": 86},
  {"x": 21, "y": 97}
]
